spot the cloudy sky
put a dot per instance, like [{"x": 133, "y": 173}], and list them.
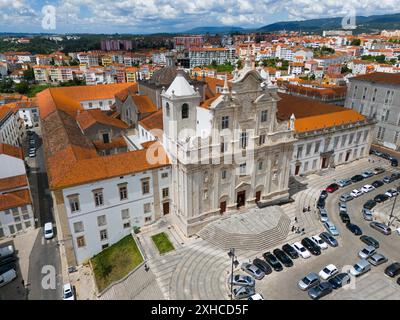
[{"x": 150, "y": 16}]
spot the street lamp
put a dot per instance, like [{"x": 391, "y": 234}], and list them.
[
  {"x": 235, "y": 263},
  {"x": 391, "y": 212}
]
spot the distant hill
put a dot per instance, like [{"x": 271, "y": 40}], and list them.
[
  {"x": 214, "y": 30},
  {"x": 371, "y": 23}
]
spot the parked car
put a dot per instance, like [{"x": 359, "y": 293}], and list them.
[
  {"x": 290, "y": 251},
  {"x": 344, "y": 216},
  {"x": 393, "y": 270},
  {"x": 303, "y": 252},
  {"x": 329, "y": 239},
  {"x": 381, "y": 198},
  {"x": 332, "y": 187},
  {"x": 328, "y": 272},
  {"x": 387, "y": 179},
  {"x": 311, "y": 246},
  {"x": 344, "y": 183},
  {"x": 48, "y": 230},
  {"x": 8, "y": 260},
  {"x": 319, "y": 291},
  {"x": 309, "y": 281},
  {"x": 394, "y": 163},
  {"x": 32, "y": 153},
  {"x": 391, "y": 193},
  {"x": 367, "y": 188},
  {"x": 356, "y": 193},
  {"x": 7, "y": 277},
  {"x": 262, "y": 265},
  {"x": 360, "y": 268},
  {"x": 257, "y": 296},
  {"x": 353, "y": 228},
  {"x": 323, "y": 195},
  {"x": 379, "y": 170},
  {"x": 6, "y": 251},
  {"x": 395, "y": 176},
  {"x": 377, "y": 259},
  {"x": 377, "y": 183},
  {"x": 241, "y": 280},
  {"x": 68, "y": 292},
  {"x": 6, "y": 267},
  {"x": 340, "y": 280},
  {"x": 323, "y": 215},
  {"x": 331, "y": 228},
  {"x": 382, "y": 228},
  {"x": 283, "y": 258},
  {"x": 366, "y": 252},
  {"x": 342, "y": 206},
  {"x": 252, "y": 270},
  {"x": 321, "y": 203},
  {"x": 367, "y": 214},
  {"x": 346, "y": 197},
  {"x": 367, "y": 174},
  {"x": 369, "y": 204},
  {"x": 357, "y": 178},
  {"x": 243, "y": 292},
  {"x": 319, "y": 242},
  {"x": 370, "y": 241},
  {"x": 273, "y": 261}
]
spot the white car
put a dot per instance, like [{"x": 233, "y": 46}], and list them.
[
  {"x": 319, "y": 242},
  {"x": 257, "y": 296},
  {"x": 391, "y": 193},
  {"x": 303, "y": 252},
  {"x": 48, "y": 230},
  {"x": 328, "y": 272},
  {"x": 7, "y": 277},
  {"x": 6, "y": 251},
  {"x": 367, "y": 188},
  {"x": 68, "y": 292},
  {"x": 356, "y": 193}
]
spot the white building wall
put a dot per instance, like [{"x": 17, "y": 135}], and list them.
[
  {"x": 11, "y": 166},
  {"x": 98, "y": 104},
  {"x": 9, "y": 131},
  {"x": 13, "y": 221}
]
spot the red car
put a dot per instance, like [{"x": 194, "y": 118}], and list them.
[{"x": 332, "y": 187}]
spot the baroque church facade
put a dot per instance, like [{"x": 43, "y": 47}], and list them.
[{"x": 230, "y": 155}]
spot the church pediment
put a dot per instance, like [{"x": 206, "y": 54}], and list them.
[{"x": 242, "y": 184}]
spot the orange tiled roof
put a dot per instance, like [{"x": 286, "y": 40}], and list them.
[
  {"x": 13, "y": 182},
  {"x": 4, "y": 112},
  {"x": 14, "y": 199},
  {"x": 153, "y": 121},
  {"x": 207, "y": 103},
  {"x": 88, "y": 118},
  {"x": 144, "y": 103},
  {"x": 115, "y": 143},
  {"x": 11, "y": 151}
]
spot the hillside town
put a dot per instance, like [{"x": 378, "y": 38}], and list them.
[{"x": 179, "y": 155}]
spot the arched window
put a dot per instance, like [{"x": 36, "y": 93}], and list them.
[
  {"x": 185, "y": 111},
  {"x": 167, "y": 108}
]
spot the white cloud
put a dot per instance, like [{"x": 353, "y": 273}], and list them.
[{"x": 168, "y": 15}]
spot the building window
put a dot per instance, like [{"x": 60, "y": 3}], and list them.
[
  {"x": 344, "y": 137},
  {"x": 123, "y": 192},
  {"x": 125, "y": 213},
  {"x": 165, "y": 192},
  {"x": 145, "y": 186},
  {"x": 243, "y": 140},
  {"x": 101, "y": 220},
  {"x": 225, "y": 122},
  {"x": 260, "y": 165},
  {"x": 104, "y": 246},
  {"x": 167, "y": 108},
  {"x": 98, "y": 198},
  {"x": 224, "y": 147},
  {"x": 317, "y": 146},
  {"x": 90, "y": 104},
  {"x": 314, "y": 164},
  {"x": 261, "y": 139},
  {"x": 185, "y": 111},
  {"x": 80, "y": 241},
  {"x": 74, "y": 203},
  {"x": 351, "y": 138},
  {"x": 78, "y": 227},
  {"x": 106, "y": 138},
  {"x": 164, "y": 175},
  {"x": 299, "y": 152},
  {"x": 127, "y": 225},
  {"x": 308, "y": 149},
  {"x": 147, "y": 219},
  {"x": 27, "y": 225},
  {"x": 264, "y": 115},
  {"x": 147, "y": 207},
  {"x": 242, "y": 169},
  {"x": 223, "y": 174},
  {"x": 103, "y": 235}
]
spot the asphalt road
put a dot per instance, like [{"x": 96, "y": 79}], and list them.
[{"x": 373, "y": 285}]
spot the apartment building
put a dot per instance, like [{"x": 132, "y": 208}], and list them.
[
  {"x": 205, "y": 56},
  {"x": 9, "y": 126}
]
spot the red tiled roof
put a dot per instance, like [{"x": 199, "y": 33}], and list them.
[
  {"x": 88, "y": 118},
  {"x": 13, "y": 182},
  {"x": 14, "y": 199},
  {"x": 11, "y": 151}
]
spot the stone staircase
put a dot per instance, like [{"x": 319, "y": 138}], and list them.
[{"x": 247, "y": 241}]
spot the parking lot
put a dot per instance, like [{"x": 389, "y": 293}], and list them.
[{"x": 372, "y": 285}]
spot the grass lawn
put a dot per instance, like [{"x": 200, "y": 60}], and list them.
[
  {"x": 162, "y": 243},
  {"x": 115, "y": 262}
]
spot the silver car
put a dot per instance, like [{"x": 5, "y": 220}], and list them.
[
  {"x": 309, "y": 281},
  {"x": 252, "y": 270},
  {"x": 360, "y": 268},
  {"x": 367, "y": 214},
  {"x": 323, "y": 214},
  {"x": 366, "y": 252},
  {"x": 243, "y": 292},
  {"x": 331, "y": 228},
  {"x": 345, "y": 197},
  {"x": 377, "y": 259},
  {"x": 381, "y": 228},
  {"x": 242, "y": 280}
]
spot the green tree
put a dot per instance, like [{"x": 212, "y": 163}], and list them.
[
  {"x": 29, "y": 75},
  {"x": 74, "y": 62},
  {"x": 239, "y": 64},
  {"x": 22, "y": 87},
  {"x": 356, "y": 42}
]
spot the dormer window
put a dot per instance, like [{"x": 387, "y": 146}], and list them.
[
  {"x": 106, "y": 138},
  {"x": 167, "y": 109},
  {"x": 185, "y": 111}
]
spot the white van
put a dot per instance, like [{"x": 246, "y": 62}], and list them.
[
  {"x": 48, "y": 230},
  {"x": 7, "y": 277}
]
